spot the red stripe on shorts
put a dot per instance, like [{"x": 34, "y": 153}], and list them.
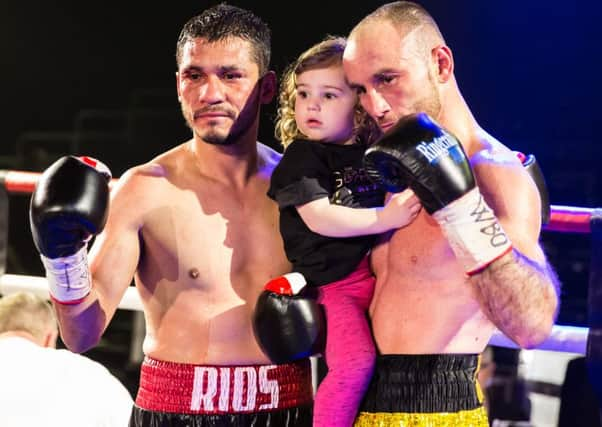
[{"x": 201, "y": 389}]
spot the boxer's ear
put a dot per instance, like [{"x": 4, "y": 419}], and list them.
[
  {"x": 178, "y": 86},
  {"x": 444, "y": 63},
  {"x": 267, "y": 87}
]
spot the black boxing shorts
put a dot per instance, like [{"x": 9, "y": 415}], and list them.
[
  {"x": 177, "y": 394},
  {"x": 424, "y": 390}
]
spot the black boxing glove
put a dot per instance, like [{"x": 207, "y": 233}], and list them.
[
  {"x": 420, "y": 154},
  {"x": 68, "y": 207},
  {"x": 288, "y": 326},
  {"x": 532, "y": 167}
]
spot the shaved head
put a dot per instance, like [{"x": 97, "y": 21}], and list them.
[
  {"x": 397, "y": 61},
  {"x": 406, "y": 17}
]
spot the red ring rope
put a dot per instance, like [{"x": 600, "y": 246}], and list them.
[
  {"x": 569, "y": 219},
  {"x": 564, "y": 219},
  {"x": 21, "y": 182}
]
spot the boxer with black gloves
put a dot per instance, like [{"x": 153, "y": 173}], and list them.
[
  {"x": 432, "y": 162},
  {"x": 196, "y": 232},
  {"x": 471, "y": 262}
]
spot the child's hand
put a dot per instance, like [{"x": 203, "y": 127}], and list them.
[{"x": 401, "y": 209}]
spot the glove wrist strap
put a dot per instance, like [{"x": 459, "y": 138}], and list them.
[
  {"x": 68, "y": 277},
  {"x": 287, "y": 284},
  {"x": 473, "y": 231}
]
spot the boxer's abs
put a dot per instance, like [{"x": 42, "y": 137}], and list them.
[
  {"x": 423, "y": 302},
  {"x": 202, "y": 329},
  {"x": 199, "y": 293}
]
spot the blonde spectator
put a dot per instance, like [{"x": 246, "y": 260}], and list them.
[{"x": 42, "y": 385}]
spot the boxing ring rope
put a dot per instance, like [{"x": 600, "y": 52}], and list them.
[
  {"x": 563, "y": 219},
  {"x": 21, "y": 182},
  {"x": 11, "y": 283},
  {"x": 568, "y": 219},
  {"x": 567, "y": 339}
]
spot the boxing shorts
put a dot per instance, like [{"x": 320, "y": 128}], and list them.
[
  {"x": 178, "y": 394},
  {"x": 424, "y": 390}
]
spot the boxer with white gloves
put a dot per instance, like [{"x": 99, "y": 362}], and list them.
[{"x": 196, "y": 233}]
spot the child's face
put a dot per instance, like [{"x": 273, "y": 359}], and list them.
[{"x": 325, "y": 105}]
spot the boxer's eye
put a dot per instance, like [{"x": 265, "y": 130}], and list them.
[
  {"x": 232, "y": 76},
  {"x": 386, "y": 79}
]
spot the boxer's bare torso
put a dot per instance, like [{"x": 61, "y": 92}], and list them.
[
  {"x": 202, "y": 249},
  {"x": 424, "y": 302}
]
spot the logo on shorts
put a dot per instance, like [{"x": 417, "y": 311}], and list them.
[{"x": 239, "y": 389}]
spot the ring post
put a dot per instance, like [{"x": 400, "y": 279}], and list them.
[
  {"x": 3, "y": 228},
  {"x": 594, "y": 339}
]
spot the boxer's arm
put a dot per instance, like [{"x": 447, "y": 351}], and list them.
[
  {"x": 519, "y": 291},
  {"x": 113, "y": 260},
  {"x": 332, "y": 220}
]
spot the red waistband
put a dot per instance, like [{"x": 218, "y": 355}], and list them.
[{"x": 201, "y": 389}]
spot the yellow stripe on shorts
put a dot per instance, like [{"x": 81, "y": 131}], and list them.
[{"x": 471, "y": 418}]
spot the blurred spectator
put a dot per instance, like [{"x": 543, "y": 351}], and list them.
[
  {"x": 579, "y": 405},
  {"x": 507, "y": 394},
  {"x": 41, "y": 385},
  {"x": 486, "y": 372}
]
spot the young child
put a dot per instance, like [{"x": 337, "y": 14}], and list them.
[{"x": 330, "y": 214}]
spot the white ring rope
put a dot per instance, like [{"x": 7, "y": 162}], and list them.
[
  {"x": 11, "y": 283},
  {"x": 568, "y": 339}
]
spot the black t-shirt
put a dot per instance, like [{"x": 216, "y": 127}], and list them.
[{"x": 309, "y": 171}]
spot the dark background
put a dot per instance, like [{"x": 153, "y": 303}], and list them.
[{"x": 98, "y": 78}]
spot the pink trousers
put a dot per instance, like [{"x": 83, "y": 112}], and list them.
[{"x": 350, "y": 351}]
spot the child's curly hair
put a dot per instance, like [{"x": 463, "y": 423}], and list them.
[{"x": 327, "y": 53}]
